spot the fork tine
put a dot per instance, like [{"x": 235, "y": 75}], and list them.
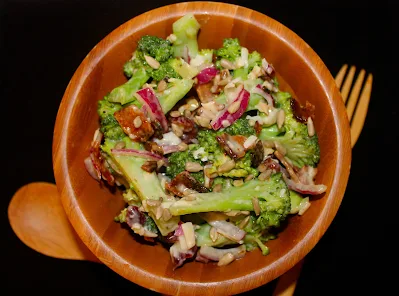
[
  {"x": 355, "y": 94},
  {"x": 348, "y": 83},
  {"x": 340, "y": 76},
  {"x": 361, "y": 111}
]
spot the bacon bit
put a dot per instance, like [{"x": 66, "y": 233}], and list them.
[
  {"x": 153, "y": 147},
  {"x": 158, "y": 130},
  {"x": 271, "y": 164},
  {"x": 258, "y": 128},
  {"x": 149, "y": 166},
  {"x": 99, "y": 162},
  {"x": 233, "y": 145},
  {"x": 204, "y": 92},
  {"x": 258, "y": 154},
  {"x": 188, "y": 127},
  {"x": 301, "y": 113},
  {"x": 126, "y": 117},
  {"x": 188, "y": 181},
  {"x": 289, "y": 168}
]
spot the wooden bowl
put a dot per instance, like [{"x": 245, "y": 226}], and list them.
[{"x": 91, "y": 207}]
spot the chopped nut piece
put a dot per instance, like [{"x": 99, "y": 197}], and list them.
[
  {"x": 226, "y": 259},
  {"x": 255, "y": 203}
]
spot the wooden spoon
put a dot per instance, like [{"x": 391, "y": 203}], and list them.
[{"x": 38, "y": 219}]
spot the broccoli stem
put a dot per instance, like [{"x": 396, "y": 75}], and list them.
[
  {"x": 186, "y": 30},
  {"x": 125, "y": 93},
  {"x": 139, "y": 179},
  {"x": 172, "y": 95},
  {"x": 236, "y": 198}
]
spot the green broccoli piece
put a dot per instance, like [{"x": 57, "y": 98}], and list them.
[
  {"x": 125, "y": 93},
  {"x": 177, "y": 164},
  {"x": 207, "y": 139},
  {"x": 204, "y": 56},
  {"x": 186, "y": 30},
  {"x": 273, "y": 197},
  {"x": 301, "y": 149},
  {"x": 175, "y": 91},
  {"x": 252, "y": 239},
  {"x": 240, "y": 127},
  {"x": 156, "y": 47},
  {"x": 138, "y": 179},
  {"x": 297, "y": 201},
  {"x": 254, "y": 59},
  {"x": 243, "y": 168},
  {"x": 231, "y": 50},
  {"x": 166, "y": 69},
  {"x": 109, "y": 126}
]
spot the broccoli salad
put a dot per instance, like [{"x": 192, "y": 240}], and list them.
[{"x": 210, "y": 155}]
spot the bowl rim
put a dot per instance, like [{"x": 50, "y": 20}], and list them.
[{"x": 94, "y": 242}]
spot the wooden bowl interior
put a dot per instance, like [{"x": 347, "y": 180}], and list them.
[{"x": 92, "y": 207}]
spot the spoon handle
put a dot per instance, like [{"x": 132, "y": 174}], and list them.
[{"x": 37, "y": 217}]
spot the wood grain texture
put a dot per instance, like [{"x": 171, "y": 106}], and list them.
[
  {"x": 38, "y": 218},
  {"x": 91, "y": 207}
]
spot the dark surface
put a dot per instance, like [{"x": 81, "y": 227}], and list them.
[{"x": 43, "y": 42}]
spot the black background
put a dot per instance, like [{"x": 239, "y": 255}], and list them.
[{"x": 42, "y": 43}]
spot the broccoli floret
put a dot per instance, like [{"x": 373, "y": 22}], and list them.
[
  {"x": 109, "y": 126},
  {"x": 177, "y": 164},
  {"x": 241, "y": 127},
  {"x": 272, "y": 194},
  {"x": 186, "y": 30},
  {"x": 207, "y": 139},
  {"x": 166, "y": 69},
  {"x": 301, "y": 149},
  {"x": 156, "y": 47},
  {"x": 254, "y": 59},
  {"x": 231, "y": 50}
]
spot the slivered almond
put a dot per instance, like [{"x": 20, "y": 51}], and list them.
[
  {"x": 175, "y": 113},
  {"x": 189, "y": 234},
  {"x": 213, "y": 234},
  {"x": 233, "y": 108},
  {"x": 162, "y": 85},
  {"x": 250, "y": 141},
  {"x": 177, "y": 130},
  {"x": 255, "y": 203},
  {"x": 311, "y": 130},
  {"x": 227, "y": 64},
  {"x": 226, "y": 259},
  {"x": 159, "y": 213},
  {"x": 287, "y": 165},
  {"x": 238, "y": 182},
  {"x": 166, "y": 215},
  {"x": 280, "y": 118},
  {"x": 227, "y": 166},
  {"x": 182, "y": 146},
  {"x": 244, "y": 222},
  {"x": 193, "y": 167},
  {"x": 137, "y": 122},
  {"x": 152, "y": 62}
]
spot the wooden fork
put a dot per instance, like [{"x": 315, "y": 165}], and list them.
[
  {"x": 357, "y": 105},
  {"x": 356, "y": 108}
]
